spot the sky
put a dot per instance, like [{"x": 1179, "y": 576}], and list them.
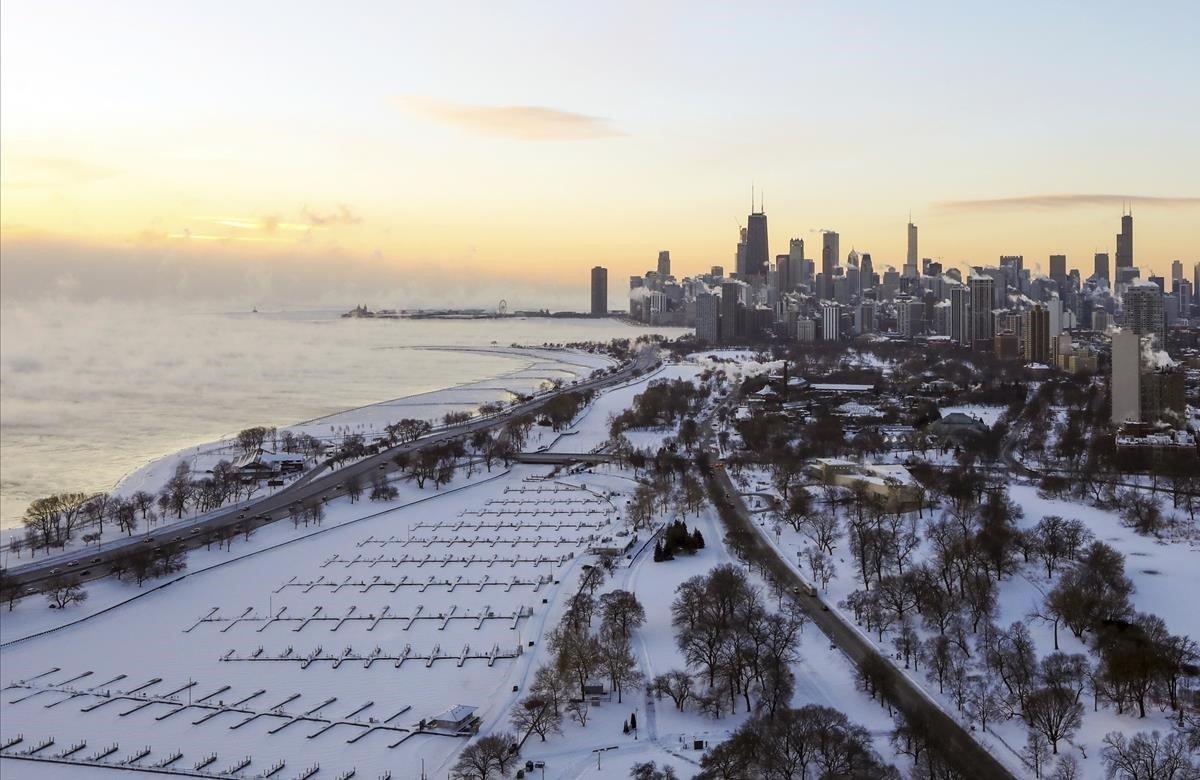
[{"x": 442, "y": 153}]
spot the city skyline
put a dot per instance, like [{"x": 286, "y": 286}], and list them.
[{"x": 313, "y": 141}]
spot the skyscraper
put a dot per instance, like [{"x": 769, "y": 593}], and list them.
[
  {"x": 1037, "y": 335},
  {"x": 1058, "y": 268},
  {"x": 866, "y": 271},
  {"x": 708, "y": 318},
  {"x": 830, "y": 252},
  {"x": 783, "y": 273},
  {"x": 1125, "y": 242},
  {"x": 1176, "y": 272},
  {"x": 796, "y": 264},
  {"x": 1143, "y": 305},
  {"x": 730, "y": 292},
  {"x": 599, "y": 291},
  {"x": 910, "y": 262},
  {"x": 664, "y": 264},
  {"x": 983, "y": 326},
  {"x": 758, "y": 257},
  {"x": 739, "y": 263},
  {"x": 960, "y": 316},
  {"x": 1100, "y": 271},
  {"x": 831, "y": 322},
  {"x": 1126, "y": 377}
]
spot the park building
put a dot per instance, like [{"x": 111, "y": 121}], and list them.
[{"x": 892, "y": 483}]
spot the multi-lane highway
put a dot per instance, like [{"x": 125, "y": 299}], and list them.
[{"x": 95, "y": 562}]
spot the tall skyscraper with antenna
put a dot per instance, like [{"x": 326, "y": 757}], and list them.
[
  {"x": 910, "y": 261},
  {"x": 1125, "y": 241},
  {"x": 758, "y": 255}
]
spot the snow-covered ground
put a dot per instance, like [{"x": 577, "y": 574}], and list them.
[
  {"x": 823, "y": 675},
  {"x": 988, "y": 415},
  {"x": 1160, "y": 571},
  {"x": 475, "y": 571},
  {"x": 297, "y": 629}
]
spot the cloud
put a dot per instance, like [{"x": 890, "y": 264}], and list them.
[
  {"x": 342, "y": 216},
  {"x": 270, "y": 229},
  {"x": 522, "y": 123},
  {"x": 1066, "y": 201},
  {"x": 54, "y": 172}
]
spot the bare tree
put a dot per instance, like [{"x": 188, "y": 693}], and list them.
[
  {"x": 1054, "y": 713},
  {"x": 536, "y": 715},
  {"x": 10, "y": 590},
  {"x": 61, "y": 592},
  {"x": 1149, "y": 756},
  {"x": 676, "y": 684},
  {"x": 579, "y": 710},
  {"x": 486, "y": 758},
  {"x": 621, "y": 611},
  {"x": 617, "y": 661}
]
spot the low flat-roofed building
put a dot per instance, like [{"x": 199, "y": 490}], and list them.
[
  {"x": 890, "y": 482},
  {"x": 831, "y": 388}
]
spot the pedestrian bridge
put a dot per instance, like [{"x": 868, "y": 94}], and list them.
[{"x": 560, "y": 458}]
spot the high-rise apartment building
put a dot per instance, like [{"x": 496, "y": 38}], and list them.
[
  {"x": 960, "y": 315},
  {"x": 1037, "y": 335},
  {"x": 708, "y": 318},
  {"x": 1125, "y": 242},
  {"x": 1143, "y": 307},
  {"x": 1126, "y": 376},
  {"x": 983, "y": 294},
  {"x": 732, "y": 325},
  {"x": 831, "y": 322},
  {"x": 599, "y": 291}
]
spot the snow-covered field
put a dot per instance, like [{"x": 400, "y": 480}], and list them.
[
  {"x": 283, "y": 641},
  {"x": 328, "y": 645}
]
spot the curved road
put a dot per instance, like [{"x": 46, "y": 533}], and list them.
[{"x": 959, "y": 749}]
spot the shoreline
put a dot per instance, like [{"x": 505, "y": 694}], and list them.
[{"x": 526, "y": 356}]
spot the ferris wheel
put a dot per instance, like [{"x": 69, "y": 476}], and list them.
[{"x": 502, "y": 307}]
